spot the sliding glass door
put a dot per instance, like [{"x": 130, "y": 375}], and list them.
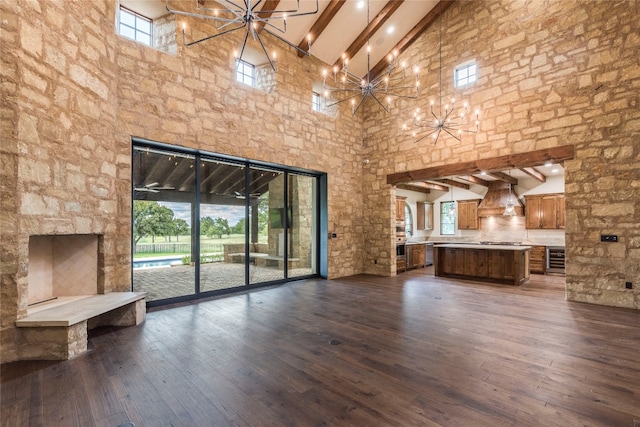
[
  {"x": 205, "y": 224},
  {"x": 162, "y": 223}
]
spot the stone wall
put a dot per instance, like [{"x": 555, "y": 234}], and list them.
[
  {"x": 551, "y": 73},
  {"x": 76, "y": 93}
]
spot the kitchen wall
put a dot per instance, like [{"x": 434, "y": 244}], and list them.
[
  {"x": 551, "y": 73},
  {"x": 498, "y": 228}
]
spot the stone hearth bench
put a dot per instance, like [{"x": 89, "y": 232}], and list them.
[
  {"x": 239, "y": 257},
  {"x": 276, "y": 261},
  {"x": 61, "y": 332}
]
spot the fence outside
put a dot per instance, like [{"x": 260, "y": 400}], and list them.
[{"x": 176, "y": 248}]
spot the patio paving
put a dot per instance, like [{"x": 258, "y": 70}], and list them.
[{"x": 168, "y": 282}]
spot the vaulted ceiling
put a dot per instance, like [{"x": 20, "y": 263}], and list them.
[{"x": 339, "y": 26}]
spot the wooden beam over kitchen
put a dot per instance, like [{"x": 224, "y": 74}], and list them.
[
  {"x": 500, "y": 176},
  {"x": 414, "y": 187},
  {"x": 535, "y": 174},
  {"x": 432, "y": 186},
  {"x": 453, "y": 183},
  {"x": 510, "y": 161},
  {"x": 474, "y": 180}
]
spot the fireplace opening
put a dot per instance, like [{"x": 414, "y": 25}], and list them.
[{"x": 62, "y": 266}]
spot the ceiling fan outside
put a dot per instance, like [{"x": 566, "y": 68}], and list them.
[{"x": 152, "y": 187}]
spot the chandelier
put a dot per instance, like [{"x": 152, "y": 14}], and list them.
[
  {"x": 435, "y": 123},
  {"x": 231, "y": 16},
  {"x": 347, "y": 86},
  {"x": 509, "y": 208}
]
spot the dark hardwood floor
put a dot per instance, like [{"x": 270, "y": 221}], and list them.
[{"x": 412, "y": 350}]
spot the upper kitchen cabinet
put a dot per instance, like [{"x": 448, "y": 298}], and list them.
[
  {"x": 545, "y": 211},
  {"x": 400, "y": 208},
  {"x": 468, "y": 214},
  {"x": 424, "y": 216}
]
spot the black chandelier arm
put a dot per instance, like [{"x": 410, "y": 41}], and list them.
[
  {"x": 293, "y": 12},
  {"x": 331, "y": 104},
  {"x": 210, "y": 37},
  {"x": 266, "y": 22},
  {"x": 244, "y": 42},
  {"x": 264, "y": 49}
]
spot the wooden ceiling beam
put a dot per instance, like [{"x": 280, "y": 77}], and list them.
[
  {"x": 412, "y": 187},
  {"x": 474, "y": 180},
  {"x": 375, "y": 24},
  {"x": 500, "y": 176},
  {"x": 510, "y": 161},
  {"x": 320, "y": 25},
  {"x": 429, "y": 186},
  {"x": 413, "y": 34},
  {"x": 453, "y": 183},
  {"x": 535, "y": 174}
]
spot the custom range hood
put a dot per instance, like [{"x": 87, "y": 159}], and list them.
[{"x": 495, "y": 201}]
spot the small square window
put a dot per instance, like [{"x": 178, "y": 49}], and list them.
[
  {"x": 135, "y": 27},
  {"x": 465, "y": 74},
  {"x": 315, "y": 101},
  {"x": 245, "y": 72}
]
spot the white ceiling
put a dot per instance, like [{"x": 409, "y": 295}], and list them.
[{"x": 343, "y": 29}]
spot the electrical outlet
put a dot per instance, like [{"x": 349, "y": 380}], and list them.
[
  {"x": 628, "y": 285},
  {"x": 608, "y": 238}
]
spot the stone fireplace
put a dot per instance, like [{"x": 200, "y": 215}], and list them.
[{"x": 62, "y": 266}]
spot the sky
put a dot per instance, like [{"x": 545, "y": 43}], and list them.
[{"x": 233, "y": 214}]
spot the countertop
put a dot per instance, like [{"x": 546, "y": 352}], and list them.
[
  {"x": 419, "y": 243},
  {"x": 488, "y": 247}
]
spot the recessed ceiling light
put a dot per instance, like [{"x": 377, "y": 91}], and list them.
[
  {"x": 555, "y": 170},
  {"x": 483, "y": 173},
  {"x": 548, "y": 164},
  {"x": 360, "y": 5},
  {"x": 391, "y": 29}
]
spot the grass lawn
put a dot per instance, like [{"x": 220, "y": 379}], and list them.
[{"x": 182, "y": 246}]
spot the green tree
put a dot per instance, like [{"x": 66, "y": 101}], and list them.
[
  {"x": 214, "y": 227},
  {"x": 263, "y": 215},
  {"x": 206, "y": 224},
  {"x": 150, "y": 219},
  {"x": 239, "y": 227},
  {"x": 180, "y": 227}
]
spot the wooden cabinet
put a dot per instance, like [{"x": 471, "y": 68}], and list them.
[
  {"x": 400, "y": 208},
  {"x": 453, "y": 261},
  {"x": 545, "y": 211},
  {"x": 401, "y": 264},
  {"x": 537, "y": 259},
  {"x": 416, "y": 256},
  {"x": 468, "y": 214},
  {"x": 495, "y": 265},
  {"x": 561, "y": 212},
  {"x": 424, "y": 216}
]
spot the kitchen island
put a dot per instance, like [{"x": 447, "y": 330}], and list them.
[{"x": 508, "y": 264}]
